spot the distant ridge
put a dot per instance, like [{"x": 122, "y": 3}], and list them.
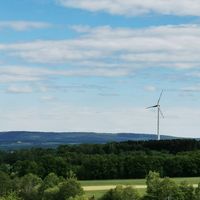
[{"x": 27, "y": 139}]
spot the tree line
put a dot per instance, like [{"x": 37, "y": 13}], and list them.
[{"x": 131, "y": 159}]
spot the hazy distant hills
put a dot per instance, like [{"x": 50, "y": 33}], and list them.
[{"x": 23, "y": 139}]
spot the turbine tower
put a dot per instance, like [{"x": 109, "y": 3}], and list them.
[{"x": 159, "y": 112}]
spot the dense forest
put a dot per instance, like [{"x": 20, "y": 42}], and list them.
[{"x": 131, "y": 159}]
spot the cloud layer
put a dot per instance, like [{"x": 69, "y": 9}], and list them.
[
  {"x": 19, "y": 90},
  {"x": 10, "y": 74},
  {"x": 137, "y": 7},
  {"x": 23, "y": 25},
  {"x": 106, "y": 51}
]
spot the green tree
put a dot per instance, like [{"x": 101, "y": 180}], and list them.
[
  {"x": 78, "y": 198},
  {"x": 197, "y": 192},
  {"x": 5, "y": 183},
  {"x": 187, "y": 190},
  {"x": 158, "y": 189},
  {"x": 51, "y": 194},
  {"x": 29, "y": 186},
  {"x": 71, "y": 175},
  {"x": 25, "y": 167},
  {"x": 169, "y": 190},
  {"x": 70, "y": 188},
  {"x": 153, "y": 182},
  {"x": 130, "y": 194},
  {"x": 120, "y": 193},
  {"x": 51, "y": 180},
  {"x": 5, "y": 168},
  {"x": 16, "y": 184},
  {"x": 11, "y": 196}
]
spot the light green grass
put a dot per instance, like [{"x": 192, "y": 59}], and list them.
[
  {"x": 194, "y": 180},
  {"x": 132, "y": 182},
  {"x": 114, "y": 182}
]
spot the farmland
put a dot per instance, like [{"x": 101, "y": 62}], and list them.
[
  {"x": 97, "y": 187},
  {"x": 191, "y": 180}
]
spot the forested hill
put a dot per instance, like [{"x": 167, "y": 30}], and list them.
[{"x": 23, "y": 139}]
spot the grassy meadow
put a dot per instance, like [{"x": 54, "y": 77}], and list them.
[{"x": 132, "y": 182}]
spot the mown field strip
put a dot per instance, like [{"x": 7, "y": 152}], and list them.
[
  {"x": 108, "y": 187},
  {"x": 193, "y": 180}
]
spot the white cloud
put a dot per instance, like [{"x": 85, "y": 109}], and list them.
[
  {"x": 11, "y": 73},
  {"x": 137, "y": 7},
  {"x": 190, "y": 89},
  {"x": 23, "y": 25},
  {"x": 116, "y": 51},
  {"x": 21, "y": 78},
  {"x": 150, "y": 88},
  {"x": 19, "y": 89},
  {"x": 48, "y": 98}
]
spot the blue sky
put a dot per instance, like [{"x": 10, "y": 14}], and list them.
[{"x": 90, "y": 65}]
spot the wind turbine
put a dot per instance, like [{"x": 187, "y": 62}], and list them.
[{"x": 159, "y": 112}]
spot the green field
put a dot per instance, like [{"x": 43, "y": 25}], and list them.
[
  {"x": 114, "y": 182},
  {"x": 194, "y": 180},
  {"x": 127, "y": 182}
]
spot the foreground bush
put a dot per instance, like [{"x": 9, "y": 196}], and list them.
[
  {"x": 164, "y": 189},
  {"x": 11, "y": 196},
  {"x": 79, "y": 198},
  {"x": 70, "y": 188},
  {"x": 120, "y": 193}
]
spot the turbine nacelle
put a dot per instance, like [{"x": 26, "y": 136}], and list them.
[{"x": 157, "y": 106}]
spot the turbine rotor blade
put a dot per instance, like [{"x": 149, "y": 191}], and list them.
[
  {"x": 161, "y": 113},
  {"x": 160, "y": 97},
  {"x": 152, "y": 107}
]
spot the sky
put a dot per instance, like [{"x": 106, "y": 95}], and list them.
[{"x": 95, "y": 65}]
